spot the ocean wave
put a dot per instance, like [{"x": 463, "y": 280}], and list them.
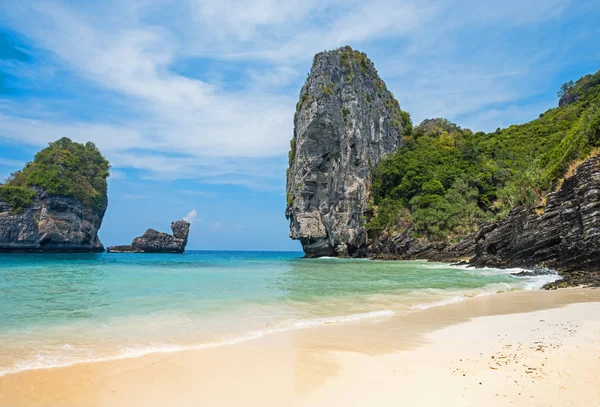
[
  {"x": 447, "y": 301},
  {"x": 537, "y": 282},
  {"x": 526, "y": 283},
  {"x": 420, "y": 299},
  {"x": 531, "y": 282},
  {"x": 340, "y": 319},
  {"x": 47, "y": 362}
]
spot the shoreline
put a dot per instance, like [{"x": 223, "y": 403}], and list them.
[
  {"x": 569, "y": 278},
  {"x": 331, "y": 350},
  {"x": 450, "y": 298}
]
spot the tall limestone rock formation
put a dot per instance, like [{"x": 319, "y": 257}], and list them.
[{"x": 345, "y": 122}]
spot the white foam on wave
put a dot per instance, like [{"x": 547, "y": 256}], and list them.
[
  {"x": 341, "y": 319},
  {"x": 345, "y": 259},
  {"x": 490, "y": 271},
  {"x": 518, "y": 283},
  {"x": 537, "y": 282},
  {"x": 447, "y": 301},
  {"x": 534, "y": 282},
  {"x": 489, "y": 290},
  {"x": 46, "y": 362}
]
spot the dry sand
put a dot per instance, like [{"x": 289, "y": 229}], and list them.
[{"x": 539, "y": 348}]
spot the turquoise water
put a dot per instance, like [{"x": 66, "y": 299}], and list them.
[{"x": 66, "y": 308}]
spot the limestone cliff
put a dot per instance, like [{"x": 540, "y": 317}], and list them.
[
  {"x": 51, "y": 223},
  {"x": 153, "y": 241},
  {"x": 57, "y": 202},
  {"x": 345, "y": 122}
]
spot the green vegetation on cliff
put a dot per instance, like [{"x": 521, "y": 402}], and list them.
[
  {"x": 445, "y": 180},
  {"x": 17, "y": 197},
  {"x": 63, "y": 168}
]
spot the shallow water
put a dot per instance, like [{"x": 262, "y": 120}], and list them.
[{"x": 60, "y": 309}]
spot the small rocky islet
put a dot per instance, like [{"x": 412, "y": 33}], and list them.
[{"x": 153, "y": 241}]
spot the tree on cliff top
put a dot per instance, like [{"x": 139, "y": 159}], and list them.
[{"x": 63, "y": 168}]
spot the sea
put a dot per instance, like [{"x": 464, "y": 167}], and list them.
[{"x": 64, "y": 309}]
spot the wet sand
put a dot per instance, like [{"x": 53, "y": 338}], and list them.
[{"x": 518, "y": 348}]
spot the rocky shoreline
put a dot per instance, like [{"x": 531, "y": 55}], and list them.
[{"x": 564, "y": 236}]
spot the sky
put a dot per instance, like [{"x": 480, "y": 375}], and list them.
[{"x": 192, "y": 101}]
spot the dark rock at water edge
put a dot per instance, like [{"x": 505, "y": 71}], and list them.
[
  {"x": 153, "y": 241},
  {"x": 404, "y": 246},
  {"x": 345, "y": 122},
  {"x": 535, "y": 272},
  {"x": 576, "y": 278},
  {"x": 563, "y": 236},
  {"x": 52, "y": 223}
]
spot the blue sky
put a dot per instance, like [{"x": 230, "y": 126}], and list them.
[{"x": 192, "y": 101}]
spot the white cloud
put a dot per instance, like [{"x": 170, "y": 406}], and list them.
[
  {"x": 192, "y": 217},
  {"x": 183, "y": 122}
]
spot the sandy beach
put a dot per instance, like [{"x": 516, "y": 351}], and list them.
[{"x": 519, "y": 348}]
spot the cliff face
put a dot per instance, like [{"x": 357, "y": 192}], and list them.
[
  {"x": 565, "y": 237},
  {"x": 346, "y": 121},
  {"x": 51, "y": 223},
  {"x": 153, "y": 241}
]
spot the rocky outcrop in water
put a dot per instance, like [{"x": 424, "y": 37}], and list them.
[
  {"x": 153, "y": 241},
  {"x": 51, "y": 223},
  {"x": 345, "y": 122}
]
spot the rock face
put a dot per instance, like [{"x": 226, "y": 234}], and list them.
[
  {"x": 568, "y": 99},
  {"x": 565, "y": 237},
  {"x": 403, "y": 246},
  {"x": 51, "y": 224},
  {"x": 153, "y": 241},
  {"x": 346, "y": 121}
]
